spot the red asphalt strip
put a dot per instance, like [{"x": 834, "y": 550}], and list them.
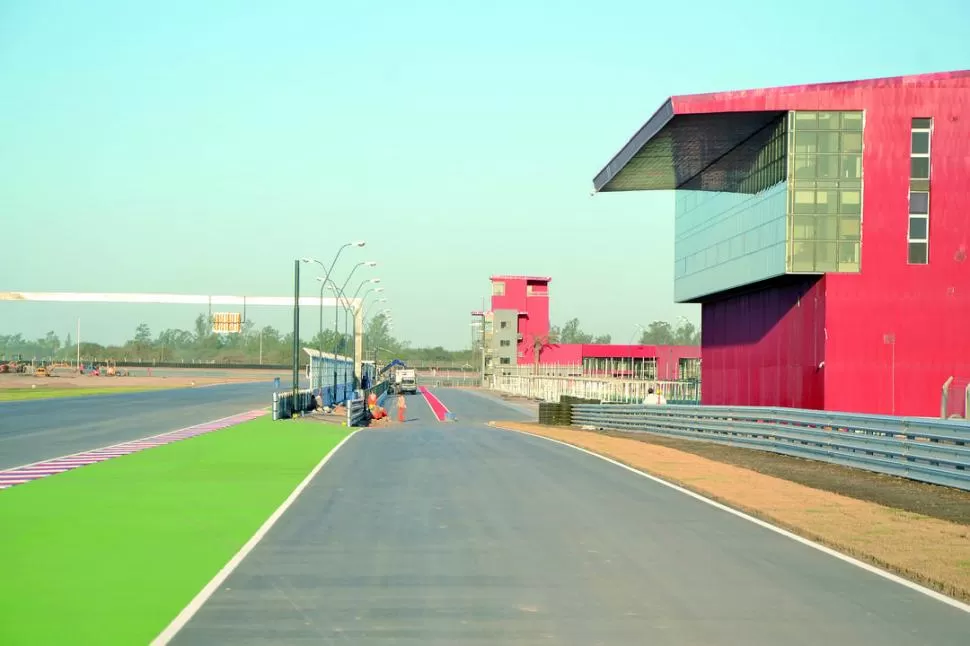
[{"x": 439, "y": 409}]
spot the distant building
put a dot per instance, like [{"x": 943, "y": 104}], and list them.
[
  {"x": 825, "y": 231},
  {"x": 517, "y": 325}
]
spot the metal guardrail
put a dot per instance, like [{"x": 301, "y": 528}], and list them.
[
  {"x": 356, "y": 412},
  {"x": 379, "y": 389},
  {"x": 928, "y": 450},
  {"x": 283, "y": 403}
]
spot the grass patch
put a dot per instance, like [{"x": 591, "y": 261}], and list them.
[
  {"x": 110, "y": 553},
  {"x": 23, "y": 394}
]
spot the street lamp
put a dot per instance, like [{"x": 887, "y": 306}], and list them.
[
  {"x": 348, "y": 309},
  {"x": 336, "y": 318},
  {"x": 296, "y": 323},
  {"x": 633, "y": 370}
]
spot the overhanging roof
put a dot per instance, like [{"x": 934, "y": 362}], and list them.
[
  {"x": 690, "y": 134},
  {"x": 671, "y": 150}
]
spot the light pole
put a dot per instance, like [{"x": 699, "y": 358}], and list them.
[
  {"x": 336, "y": 319},
  {"x": 296, "y": 332},
  {"x": 633, "y": 371},
  {"x": 348, "y": 309},
  {"x": 326, "y": 277},
  {"x": 379, "y": 300}
]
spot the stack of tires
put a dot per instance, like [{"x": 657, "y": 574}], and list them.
[
  {"x": 561, "y": 413},
  {"x": 553, "y": 414}
]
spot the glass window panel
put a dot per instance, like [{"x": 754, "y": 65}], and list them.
[
  {"x": 828, "y": 142},
  {"x": 849, "y": 228},
  {"x": 850, "y": 201},
  {"x": 919, "y": 167},
  {"x": 919, "y": 202},
  {"x": 852, "y": 121},
  {"x": 921, "y": 185},
  {"x": 827, "y": 166},
  {"x": 922, "y": 123},
  {"x": 806, "y": 142},
  {"x": 805, "y": 121},
  {"x": 804, "y": 167},
  {"x": 827, "y": 201},
  {"x": 804, "y": 201},
  {"x": 921, "y": 143},
  {"x": 848, "y": 252},
  {"x": 826, "y": 228},
  {"x": 803, "y": 227},
  {"x": 917, "y": 253},
  {"x": 852, "y": 142},
  {"x": 851, "y": 166},
  {"x": 825, "y": 256},
  {"x": 803, "y": 256},
  {"x": 918, "y": 227},
  {"x": 828, "y": 120}
]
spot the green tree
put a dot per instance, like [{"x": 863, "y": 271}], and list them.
[
  {"x": 658, "y": 333},
  {"x": 663, "y": 333}
]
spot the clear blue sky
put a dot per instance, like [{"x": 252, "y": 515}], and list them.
[{"x": 199, "y": 147}]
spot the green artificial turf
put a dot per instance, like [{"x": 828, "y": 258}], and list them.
[
  {"x": 111, "y": 553},
  {"x": 19, "y": 394}
]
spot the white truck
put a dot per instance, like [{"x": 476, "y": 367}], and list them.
[{"x": 404, "y": 381}]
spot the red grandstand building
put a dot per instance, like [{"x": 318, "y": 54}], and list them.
[{"x": 825, "y": 231}]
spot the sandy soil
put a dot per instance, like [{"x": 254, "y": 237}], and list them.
[
  {"x": 928, "y": 550},
  {"x": 63, "y": 382}
]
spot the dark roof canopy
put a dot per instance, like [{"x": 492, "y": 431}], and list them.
[
  {"x": 671, "y": 150},
  {"x": 684, "y": 143}
]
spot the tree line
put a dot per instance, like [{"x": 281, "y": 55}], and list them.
[
  {"x": 656, "y": 333},
  {"x": 268, "y": 345},
  {"x": 253, "y": 345}
]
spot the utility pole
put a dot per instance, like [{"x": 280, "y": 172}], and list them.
[
  {"x": 79, "y": 346},
  {"x": 296, "y": 331}
]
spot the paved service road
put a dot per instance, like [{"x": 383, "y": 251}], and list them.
[
  {"x": 446, "y": 533},
  {"x": 46, "y": 428}
]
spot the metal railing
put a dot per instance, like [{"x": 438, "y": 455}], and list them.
[
  {"x": 284, "y": 406},
  {"x": 551, "y": 389},
  {"x": 379, "y": 389},
  {"x": 928, "y": 450},
  {"x": 356, "y": 412}
]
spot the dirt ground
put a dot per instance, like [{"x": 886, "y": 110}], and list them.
[
  {"x": 919, "y": 531},
  {"x": 69, "y": 381}
]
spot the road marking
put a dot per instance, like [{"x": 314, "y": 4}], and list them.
[
  {"x": 199, "y": 600},
  {"x": 933, "y": 594},
  {"x": 52, "y": 466},
  {"x": 440, "y": 410}
]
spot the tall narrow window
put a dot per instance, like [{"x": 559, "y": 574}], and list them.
[{"x": 918, "y": 230}]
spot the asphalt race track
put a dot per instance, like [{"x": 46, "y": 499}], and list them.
[
  {"x": 455, "y": 533},
  {"x": 46, "y": 428}
]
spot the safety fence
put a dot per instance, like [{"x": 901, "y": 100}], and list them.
[
  {"x": 379, "y": 389},
  {"x": 552, "y": 389},
  {"x": 928, "y": 450},
  {"x": 285, "y": 405},
  {"x": 357, "y": 412}
]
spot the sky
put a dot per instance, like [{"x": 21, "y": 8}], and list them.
[{"x": 200, "y": 147}]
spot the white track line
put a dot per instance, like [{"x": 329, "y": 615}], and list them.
[
  {"x": 933, "y": 594},
  {"x": 199, "y": 600}
]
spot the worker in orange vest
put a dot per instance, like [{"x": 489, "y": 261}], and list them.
[{"x": 402, "y": 407}]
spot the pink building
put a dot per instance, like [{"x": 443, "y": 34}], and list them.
[{"x": 518, "y": 324}]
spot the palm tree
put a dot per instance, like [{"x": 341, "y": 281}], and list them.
[{"x": 539, "y": 343}]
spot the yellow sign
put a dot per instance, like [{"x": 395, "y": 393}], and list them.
[{"x": 227, "y": 322}]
